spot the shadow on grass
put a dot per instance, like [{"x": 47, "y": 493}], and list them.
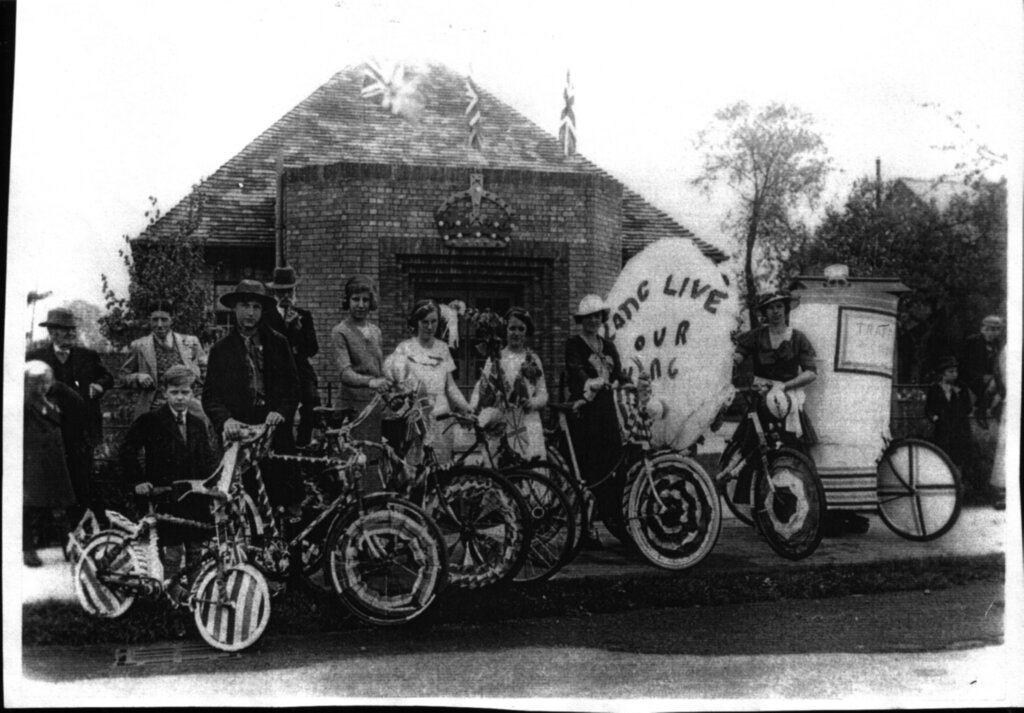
[{"x": 302, "y": 611}]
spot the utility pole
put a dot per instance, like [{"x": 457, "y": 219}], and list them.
[{"x": 878, "y": 183}]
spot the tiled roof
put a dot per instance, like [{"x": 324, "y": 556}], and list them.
[{"x": 337, "y": 124}]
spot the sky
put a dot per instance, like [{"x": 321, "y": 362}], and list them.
[{"x": 118, "y": 100}]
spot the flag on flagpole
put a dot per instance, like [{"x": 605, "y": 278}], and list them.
[
  {"x": 567, "y": 126},
  {"x": 473, "y": 116},
  {"x": 34, "y": 296}
]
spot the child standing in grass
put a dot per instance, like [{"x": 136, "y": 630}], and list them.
[{"x": 176, "y": 447}]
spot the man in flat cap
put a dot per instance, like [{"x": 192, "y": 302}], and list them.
[
  {"x": 296, "y": 324},
  {"x": 251, "y": 379},
  {"x": 80, "y": 369},
  {"x": 979, "y": 363}
]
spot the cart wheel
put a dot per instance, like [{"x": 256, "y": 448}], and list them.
[
  {"x": 790, "y": 510},
  {"x": 96, "y": 597},
  {"x": 234, "y": 618},
  {"x": 674, "y": 517},
  {"x": 919, "y": 490}
]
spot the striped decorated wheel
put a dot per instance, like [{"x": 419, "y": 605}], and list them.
[
  {"x": 104, "y": 556},
  {"x": 235, "y": 617},
  {"x": 388, "y": 564}
]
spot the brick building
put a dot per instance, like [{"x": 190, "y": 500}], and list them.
[{"x": 342, "y": 185}]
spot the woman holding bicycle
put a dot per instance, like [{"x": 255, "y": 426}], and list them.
[
  {"x": 425, "y": 360},
  {"x": 514, "y": 383},
  {"x": 783, "y": 362}
]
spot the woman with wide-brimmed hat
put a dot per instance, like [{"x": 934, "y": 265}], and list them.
[
  {"x": 784, "y": 361},
  {"x": 592, "y": 365}
]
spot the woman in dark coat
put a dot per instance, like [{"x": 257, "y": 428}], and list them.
[
  {"x": 47, "y": 488},
  {"x": 592, "y": 365}
]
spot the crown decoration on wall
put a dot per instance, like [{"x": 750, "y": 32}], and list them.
[{"x": 475, "y": 217}]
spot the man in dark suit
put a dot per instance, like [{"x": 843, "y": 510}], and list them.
[
  {"x": 296, "y": 324},
  {"x": 176, "y": 447},
  {"x": 79, "y": 369},
  {"x": 251, "y": 379}
]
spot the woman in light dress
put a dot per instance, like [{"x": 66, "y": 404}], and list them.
[
  {"x": 513, "y": 385},
  {"x": 424, "y": 362}
]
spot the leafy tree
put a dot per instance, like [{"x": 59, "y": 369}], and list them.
[
  {"x": 952, "y": 259},
  {"x": 166, "y": 268},
  {"x": 88, "y": 317},
  {"x": 775, "y": 161}
]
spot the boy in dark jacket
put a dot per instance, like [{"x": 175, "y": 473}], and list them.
[
  {"x": 176, "y": 447},
  {"x": 947, "y": 406}
]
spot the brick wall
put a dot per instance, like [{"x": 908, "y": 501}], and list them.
[{"x": 379, "y": 220}]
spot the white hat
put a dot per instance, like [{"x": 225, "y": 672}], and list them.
[{"x": 592, "y": 304}]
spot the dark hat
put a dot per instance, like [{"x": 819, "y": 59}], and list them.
[
  {"x": 248, "y": 290},
  {"x": 946, "y": 362},
  {"x": 60, "y": 317},
  {"x": 178, "y": 375},
  {"x": 777, "y": 296},
  {"x": 284, "y": 278}
]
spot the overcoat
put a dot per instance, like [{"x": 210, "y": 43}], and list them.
[
  {"x": 82, "y": 368},
  {"x": 45, "y": 478}
]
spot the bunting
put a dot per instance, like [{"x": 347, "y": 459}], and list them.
[
  {"x": 567, "y": 126},
  {"x": 473, "y": 116}
]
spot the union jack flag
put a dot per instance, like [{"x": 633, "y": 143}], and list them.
[
  {"x": 473, "y": 116},
  {"x": 419, "y": 414},
  {"x": 634, "y": 425},
  {"x": 567, "y": 125}
]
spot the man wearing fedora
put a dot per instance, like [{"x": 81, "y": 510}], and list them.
[
  {"x": 296, "y": 324},
  {"x": 251, "y": 379},
  {"x": 80, "y": 369}
]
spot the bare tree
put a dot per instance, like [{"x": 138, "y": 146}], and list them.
[{"x": 775, "y": 161}]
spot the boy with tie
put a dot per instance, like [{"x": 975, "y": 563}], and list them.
[{"x": 176, "y": 448}]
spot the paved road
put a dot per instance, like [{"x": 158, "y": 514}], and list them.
[{"x": 911, "y": 648}]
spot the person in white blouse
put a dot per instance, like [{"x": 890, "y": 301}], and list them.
[
  {"x": 513, "y": 383},
  {"x": 425, "y": 361}
]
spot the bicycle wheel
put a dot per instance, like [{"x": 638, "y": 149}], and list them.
[
  {"x": 234, "y": 616},
  {"x": 790, "y": 510},
  {"x": 744, "y": 512},
  {"x": 384, "y": 563},
  {"x": 552, "y": 523},
  {"x": 919, "y": 490},
  {"x": 556, "y": 469},
  {"x": 96, "y": 596},
  {"x": 485, "y": 524},
  {"x": 674, "y": 516}
]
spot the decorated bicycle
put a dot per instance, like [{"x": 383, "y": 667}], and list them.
[
  {"x": 229, "y": 598},
  {"x": 380, "y": 554}
]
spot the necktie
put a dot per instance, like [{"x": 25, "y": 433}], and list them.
[
  {"x": 62, "y": 354},
  {"x": 182, "y": 426}
]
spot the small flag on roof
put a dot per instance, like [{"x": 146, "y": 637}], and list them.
[
  {"x": 473, "y": 116},
  {"x": 396, "y": 86},
  {"x": 567, "y": 127}
]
